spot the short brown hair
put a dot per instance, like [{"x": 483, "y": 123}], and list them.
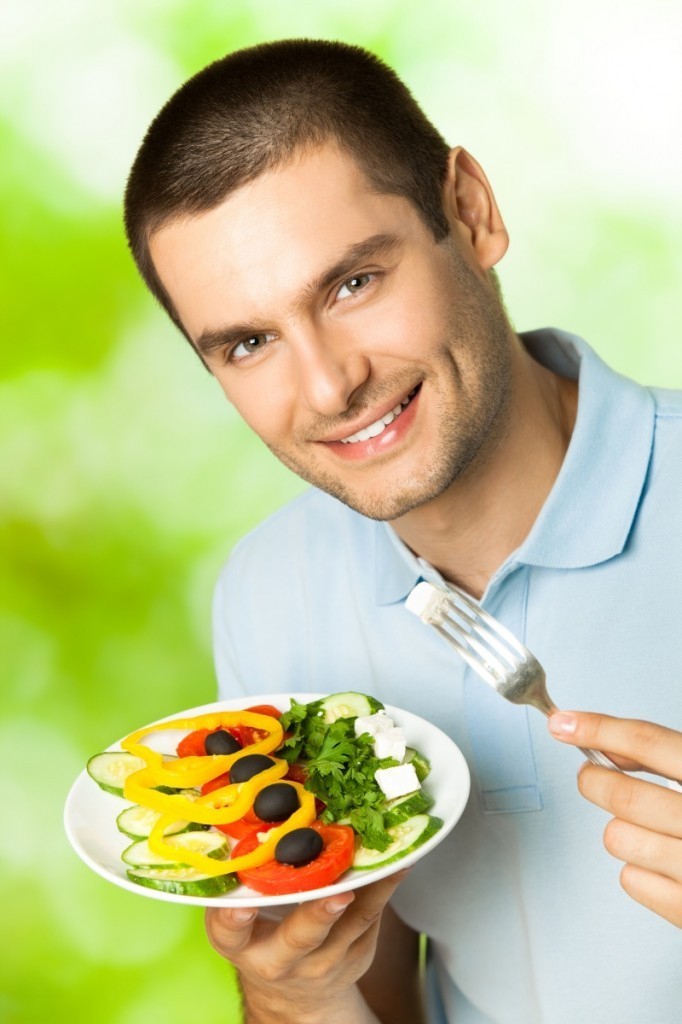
[{"x": 253, "y": 109}]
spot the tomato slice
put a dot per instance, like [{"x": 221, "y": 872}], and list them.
[
  {"x": 275, "y": 879},
  {"x": 246, "y": 734},
  {"x": 265, "y": 709},
  {"x": 217, "y": 783},
  {"x": 193, "y": 744},
  {"x": 297, "y": 772},
  {"x": 250, "y": 824}
]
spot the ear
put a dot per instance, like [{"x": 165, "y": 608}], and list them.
[{"x": 470, "y": 207}]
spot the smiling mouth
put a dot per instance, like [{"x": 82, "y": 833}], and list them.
[{"x": 378, "y": 427}]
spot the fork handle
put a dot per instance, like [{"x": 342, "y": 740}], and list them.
[
  {"x": 596, "y": 757},
  {"x": 545, "y": 704}
]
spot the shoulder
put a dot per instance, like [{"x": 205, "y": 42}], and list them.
[
  {"x": 667, "y": 425},
  {"x": 305, "y": 572},
  {"x": 312, "y": 545},
  {"x": 667, "y": 404},
  {"x": 662, "y": 492},
  {"x": 307, "y": 527}
]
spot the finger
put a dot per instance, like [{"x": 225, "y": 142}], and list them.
[
  {"x": 352, "y": 941},
  {"x": 306, "y": 929},
  {"x": 333, "y": 922},
  {"x": 656, "y": 892},
  {"x": 569, "y": 726},
  {"x": 655, "y": 747},
  {"x": 644, "y": 848},
  {"x": 370, "y": 901},
  {"x": 229, "y": 931},
  {"x": 635, "y": 800}
]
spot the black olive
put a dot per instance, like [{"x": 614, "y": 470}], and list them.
[
  {"x": 251, "y": 764},
  {"x": 221, "y": 742},
  {"x": 299, "y": 847},
  {"x": 276, "y": 802}
]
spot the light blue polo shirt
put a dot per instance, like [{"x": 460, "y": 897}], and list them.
[{"x": 527, "y": 920}]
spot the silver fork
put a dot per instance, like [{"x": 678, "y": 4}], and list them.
[{"x": 490, "y": 649}]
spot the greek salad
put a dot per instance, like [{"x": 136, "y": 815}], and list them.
[{"x": 281, "y": 802}]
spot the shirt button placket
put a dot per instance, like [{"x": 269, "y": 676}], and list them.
[{"x": 500, "y": 734}]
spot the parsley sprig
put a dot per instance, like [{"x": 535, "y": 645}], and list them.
[{"x": 341, "y": 768}]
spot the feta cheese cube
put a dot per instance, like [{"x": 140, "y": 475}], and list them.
[
  {"x": 373, "y": 724},
  {"x": 397, "y": 781},
  {"x": 390, "y": 743}
]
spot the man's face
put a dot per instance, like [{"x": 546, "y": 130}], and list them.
[{"x": 373, "y": 361}]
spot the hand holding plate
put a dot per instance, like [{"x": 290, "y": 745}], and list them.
[{"x": 305, "y": 968}]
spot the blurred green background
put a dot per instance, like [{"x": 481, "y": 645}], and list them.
[{"x": 126, "y": 478}]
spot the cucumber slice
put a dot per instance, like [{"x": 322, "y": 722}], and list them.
[
  {"x": 211, "y": 844},
  {"x": 348, "y": 705},
  {"x": 406, "y": 837},
  {"x": 111, "y": 768},
  {"x": 137, "y": 822},
  {"x": 421, "y": 764},
  {"x": 183, "y": 881},
  {"x": 403, "y": 807}
]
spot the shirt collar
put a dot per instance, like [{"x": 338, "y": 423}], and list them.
[{"x": 589, "y": 512}]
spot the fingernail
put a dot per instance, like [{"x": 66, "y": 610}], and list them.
[
  {"x": 243, "y": 916},
  {"x": 562, "y": 723},
  {"x": 337, "y": 906}
]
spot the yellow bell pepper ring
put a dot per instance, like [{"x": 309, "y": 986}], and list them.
[
  {"x": 261, "y": 855},
  {"x": 189, "y": 772},
  {"x": 225, "y": 795},
  {"x": 217, "y": 808},
  {"x": 210, "y": 721}
]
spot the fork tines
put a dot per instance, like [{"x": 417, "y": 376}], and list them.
[{"x": 487, "y": 646}]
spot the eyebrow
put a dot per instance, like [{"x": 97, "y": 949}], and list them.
[{"x": 381, "y": 244}]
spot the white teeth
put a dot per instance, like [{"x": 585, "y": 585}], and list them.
[
  {"x": 390, "y": 416},
  {"x": 378, "y": 427},
  {"x": 375, "y": 428}
]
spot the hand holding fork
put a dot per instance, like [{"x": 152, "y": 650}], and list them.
[{"x": 646, "y": 829}]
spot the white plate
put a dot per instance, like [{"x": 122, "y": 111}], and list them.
[{"x": 90, "y": 813}]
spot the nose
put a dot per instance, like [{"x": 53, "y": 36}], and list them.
[{"x": 330, "y": 370}]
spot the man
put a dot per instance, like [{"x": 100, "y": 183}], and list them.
[{"x": 330, "y": 260}]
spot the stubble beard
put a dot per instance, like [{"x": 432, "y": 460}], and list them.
[{"x": 473, "y": 393}]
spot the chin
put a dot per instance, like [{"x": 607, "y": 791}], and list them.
[
  {"x": 391, "y": 503},
  {"x": 389, "y": 497}
]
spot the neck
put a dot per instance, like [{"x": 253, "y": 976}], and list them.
[{"x": 472, "y": 527}]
